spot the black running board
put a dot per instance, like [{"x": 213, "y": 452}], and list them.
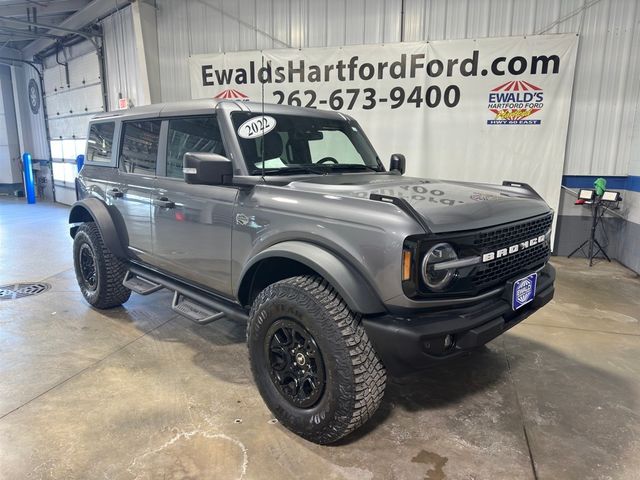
[
  {"x": 194, "y": 311},
  {"x": 139, "y": 284},
  {"x": 189, "y": 301}
]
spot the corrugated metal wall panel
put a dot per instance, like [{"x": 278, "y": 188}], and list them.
[
  {"x": 500, "y": 19},
  {"x": 606, "y": 89},
  {"x": 613, "y": 89},
  {"x": 174, "y": 25},
  {"x": 478, "y": 19},
  {"x": 435, "y": 20},
  {"x": 124, "y": 75},
  {"x": 336, "y": 23}
]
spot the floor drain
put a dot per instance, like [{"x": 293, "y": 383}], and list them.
[{"x": 19, "y": 290}]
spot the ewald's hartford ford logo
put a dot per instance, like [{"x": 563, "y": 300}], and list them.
[
  {"x": 514, "y": 102},
  {"x": 231, "y": 94},
  {"x": 524, "y": 290}
]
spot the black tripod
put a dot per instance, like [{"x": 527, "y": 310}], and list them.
[{"x": 597, "y": 211}]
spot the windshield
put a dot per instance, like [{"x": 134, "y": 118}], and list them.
[{"x": 294, "y": 144}]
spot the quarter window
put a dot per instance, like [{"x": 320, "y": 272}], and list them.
[
  {"x": 100, "y": 142},
  {"x": 197, "y": 134},
  {"x": 140, "y": 147}
]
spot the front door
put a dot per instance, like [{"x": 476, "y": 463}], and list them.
[
  {"x": 192, "y": 224},
  {"x": 135, "y": 182}
]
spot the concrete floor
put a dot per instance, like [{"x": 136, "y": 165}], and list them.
[{"x": 137, "y": 392}]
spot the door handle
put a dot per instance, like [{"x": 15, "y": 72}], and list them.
[
  {"x": 163, "y": 202},
  {"x": 115, "y": 193}
]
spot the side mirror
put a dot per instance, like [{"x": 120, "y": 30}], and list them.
[
  {"x": 397, "y": 163},
  {"x": 207, "y": 169}
]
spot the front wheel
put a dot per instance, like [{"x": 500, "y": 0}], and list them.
[{"x": 312, "y": 360}]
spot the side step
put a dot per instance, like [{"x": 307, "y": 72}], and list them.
[
  {"x": 194, "y": 311},
  {"x": 140, "y": 285},
  {"x": 194, "y": 303}
]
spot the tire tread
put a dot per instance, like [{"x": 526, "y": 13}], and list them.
[
  {"x": 369, "y": 374},
  {"x": 113, "y": 293}
]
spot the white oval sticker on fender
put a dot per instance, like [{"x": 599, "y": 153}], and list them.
[{"x": 256, "y": 127}]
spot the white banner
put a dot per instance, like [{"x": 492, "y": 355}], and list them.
[{"x": 482, "y": 110}]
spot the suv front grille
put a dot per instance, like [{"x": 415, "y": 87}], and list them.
[
  {"x": 512, "y": 234},
  {"x": 502, "y": 269},
  {"x": 506, "y": 267}
]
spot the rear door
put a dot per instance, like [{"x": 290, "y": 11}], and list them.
[
  {"x": 131, "y": 193},
  {"x": 192, "y": 224}
]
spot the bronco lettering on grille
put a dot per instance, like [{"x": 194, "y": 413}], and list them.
[{"x": 503, "y": 252}]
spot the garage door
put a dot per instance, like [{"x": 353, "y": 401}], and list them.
[{"x": 69, "y": 108}]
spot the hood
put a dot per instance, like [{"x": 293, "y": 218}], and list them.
[{"x": 446, "y": 206}]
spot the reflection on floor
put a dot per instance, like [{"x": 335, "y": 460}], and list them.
[{"x": 137, "y": 392}]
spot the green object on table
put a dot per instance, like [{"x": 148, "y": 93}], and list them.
[{"x": 600, "y": 185}]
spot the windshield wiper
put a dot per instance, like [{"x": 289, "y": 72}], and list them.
[
  {"x": 316, "y": 170},
  {"x": 352, "y": 166}
]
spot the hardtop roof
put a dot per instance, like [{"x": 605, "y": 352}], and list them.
[{"x": 208, "y": 105}]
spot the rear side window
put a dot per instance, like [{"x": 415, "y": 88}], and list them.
[
  {"x": 196, "y": 134},
  {"x": 100, "y": 142},
  {"x": 139, "y": 151}
]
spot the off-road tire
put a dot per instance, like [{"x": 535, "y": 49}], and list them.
[
  {"x": 355, "y": 378},
  {"x": 110, "y": 270}
]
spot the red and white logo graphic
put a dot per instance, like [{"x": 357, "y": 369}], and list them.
[
  {"x": 513, "y": 102},
  {"x": 231, "y": 94}
]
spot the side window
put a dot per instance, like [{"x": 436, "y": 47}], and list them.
[
  {"x": 196, "y": 134},
  {"x": 139, "y": 150},
  {"x": 100, "y": 142}
]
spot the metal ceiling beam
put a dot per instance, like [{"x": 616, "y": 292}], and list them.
[
  {"x": 50, "y": 27},
  {"x": 95, "y": 10},
  {"x": 24, "y": 33},
  {"x": 65, "y": 6},
  {"x": 10, "y": 50},
  {"x": 15, "y": 37}
]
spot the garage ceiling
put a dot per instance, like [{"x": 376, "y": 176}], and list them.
[{"x": 15, "y": 31}]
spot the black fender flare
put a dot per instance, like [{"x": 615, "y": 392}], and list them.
[
  {"x": 350, "y": 284},
  {"x": 107, "y": 219}
]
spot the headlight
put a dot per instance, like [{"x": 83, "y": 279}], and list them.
[{"x": 438, "y": 279}]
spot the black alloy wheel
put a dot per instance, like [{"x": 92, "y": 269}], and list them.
[
  {"x": 88, "y": 267},
  {"x": 296, "y": 367}
]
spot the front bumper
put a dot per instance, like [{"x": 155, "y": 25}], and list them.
[{"x": 409, "y": 343}]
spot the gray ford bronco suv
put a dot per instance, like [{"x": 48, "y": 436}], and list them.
[{"x": 285, "y": 218}]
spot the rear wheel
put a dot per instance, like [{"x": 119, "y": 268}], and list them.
[
  {"x": 98, "y": 271},
  {"x": 312, "y": 360}
]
